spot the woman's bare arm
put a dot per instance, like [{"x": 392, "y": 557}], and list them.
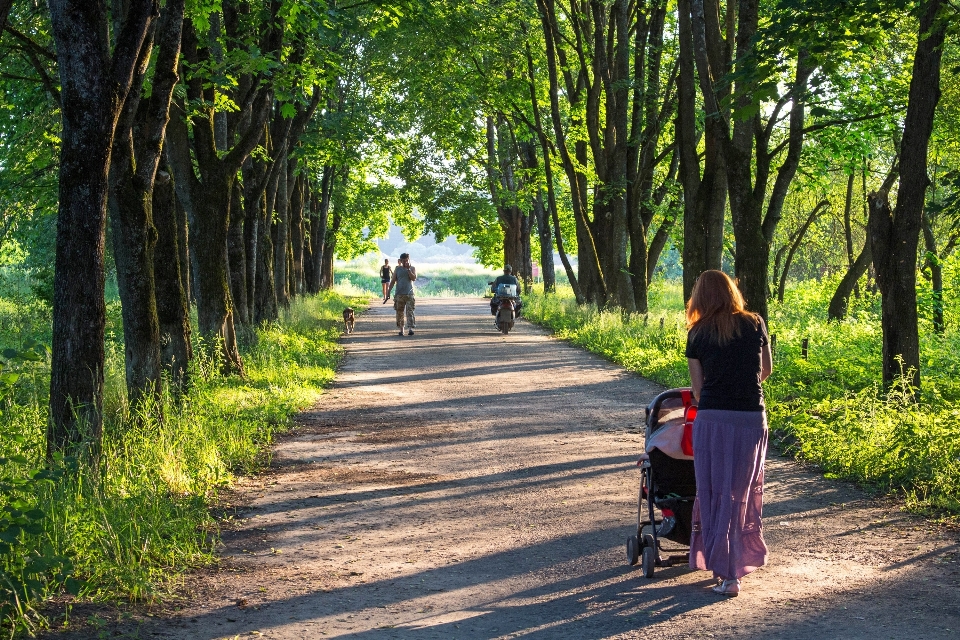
[
  {"x": 766, "y": 362},
  {"x": 696, "y": 376}
]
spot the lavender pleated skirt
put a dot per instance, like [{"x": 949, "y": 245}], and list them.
[{"x": 728, "y": 448}]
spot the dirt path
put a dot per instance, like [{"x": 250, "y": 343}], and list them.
[{"x": 460, "y": 484}]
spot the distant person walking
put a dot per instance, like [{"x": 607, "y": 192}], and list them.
[
  {"x": 728, "y": 355},
  {"x": 403, "y": 301},
  {"x": 386, "y": 274}
]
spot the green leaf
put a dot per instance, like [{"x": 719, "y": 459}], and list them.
[
  {"x": 746, "y": 112},
  {"x": 73, "y": 586},
  {"x": 11, "y": 534}
]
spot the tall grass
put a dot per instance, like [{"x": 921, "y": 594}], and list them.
[
  {"x": 826, "y": 408},
  {"x": 126, "y": 528}
]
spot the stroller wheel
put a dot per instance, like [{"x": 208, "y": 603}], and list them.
[
  {"x": 633, "y": 550},
  {"x": 649, "y": 561},
  {"x": 649, "y": 542}
]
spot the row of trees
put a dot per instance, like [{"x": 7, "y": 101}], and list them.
[
  {"x": 211, "y": 139},
  {"x": 221, "y": 152},
  {"x": 599, "y": 125}
]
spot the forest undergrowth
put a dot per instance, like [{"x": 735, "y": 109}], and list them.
[
  {"x": 126, "y": 529},
  {"x": 827, "y": 408}
]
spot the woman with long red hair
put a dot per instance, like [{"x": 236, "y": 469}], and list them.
[{"x": 728, "y": 355}]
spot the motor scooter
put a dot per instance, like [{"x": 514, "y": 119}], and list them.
[{"x": 505, "y": 307}]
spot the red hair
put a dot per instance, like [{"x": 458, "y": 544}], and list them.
[{"x": 716, "y": 306}]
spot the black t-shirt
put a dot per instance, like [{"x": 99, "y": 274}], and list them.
[
  {"x": 385, "y": 273},
  {"x": 731, "y": 374}
]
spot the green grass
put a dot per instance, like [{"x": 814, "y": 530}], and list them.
[
  {"x": 127, "y": 529},
  {"x": 827, "y": 408}
]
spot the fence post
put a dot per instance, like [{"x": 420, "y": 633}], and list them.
[{"x": 804, "y": 347}]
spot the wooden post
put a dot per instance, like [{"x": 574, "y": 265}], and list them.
[{"x": 804, "y": 347}]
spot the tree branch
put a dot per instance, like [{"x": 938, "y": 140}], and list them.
[
  {"x": 130, "y": 42},
  {"x": 823, "y": 125},
  {"x": 4, "y": 11},
  {"x": 27, "y": 41}
]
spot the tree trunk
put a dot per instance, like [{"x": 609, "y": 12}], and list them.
[
  {"x": 936, "y": 276},
  {"x": 591, "y": 278},
  {"x": 662, "y": 235},
  {"x": 173, "y": 312},
  {"x": 746, "y": 155},
  {"x": 183, "y": 246},
  {"x": 551, "y": 195},
  {"x": 795, "y": 244},
  {"x": 135, "y": 158},
  {"x": 837, "y": 310},
  {"x": 895, "y": 237},
  {"x": 329, "y": 249},
  {"x": 318, "y": 228},
  {"x": 94, "y": 87},
  {"x": 848, "y": 226},
  {"x": 297, "y": 235},
  {"x": 704, "y": 196},
  {"x": 215, "y": 312},
  {"x": 530, "y": 161},
  {"x": 254, "y": 208},
  {"x": 237, "y": 256},
  {"x": 266, "y": 307},
  {"x": 309, "y": 226},
  {"x": 545, "y": 238},
  {"x": 279, "y": 233},
  {"x": 504, "y": 195}
]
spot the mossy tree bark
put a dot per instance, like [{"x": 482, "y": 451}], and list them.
[
  {"x": 94, "y": 86},
  {"x": 280, "y": 231},
  {"x": 173, "y": 311},
  {"x": 297, "y": 235},
  {"x": 135, "y": 160}
]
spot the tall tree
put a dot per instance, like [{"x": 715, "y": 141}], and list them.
[
  {"x": 704, "y": 190},
  {"x": 136, "y": 155},
  {"x": 206, "y": 193},
  {"x": 746, "y": 141},
  {"x": 895, "y": 234},
  {"x": 94, "y": 81}
]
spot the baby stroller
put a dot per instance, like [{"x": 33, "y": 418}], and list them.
[{"x": 667, "y": 483}]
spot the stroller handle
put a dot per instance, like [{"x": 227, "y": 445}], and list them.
[{"x": 669, "y": 394}]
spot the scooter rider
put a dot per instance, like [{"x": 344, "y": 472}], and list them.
[{"x": 506, "y": 278}]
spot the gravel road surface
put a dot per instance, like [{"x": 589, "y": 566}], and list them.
[{"x": 462, "y": 484}]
